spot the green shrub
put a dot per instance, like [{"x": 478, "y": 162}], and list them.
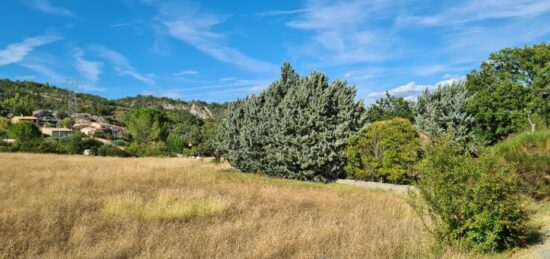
[
  {"x": 49, "y": 145},
  {"x": 99, "y": 134},
  {"x": 384, "y": 151},
  {"x": 4, "y": 133},
  {"x": 529, "y": 155},
  {"x": 91, "y": 144},
  {"x": 111, "y": 150},
  {"x": 471, "y": 203},
  {"x": 71, "y": 144},
  {"x": 7, "y": 147},
  {"x": 26, "y": 134},
  {"x": 5, "y": 123},
  {"x": 120, "y": 142}
]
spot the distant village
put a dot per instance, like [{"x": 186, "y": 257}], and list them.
[{"x": 87, "y": 124}]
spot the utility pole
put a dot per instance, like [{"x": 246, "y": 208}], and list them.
[{"x": 72, "y": 105}]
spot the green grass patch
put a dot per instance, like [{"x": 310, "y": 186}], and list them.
[
  {"x": 529, "y": 154},
  {"x": 166, "y": 206}
]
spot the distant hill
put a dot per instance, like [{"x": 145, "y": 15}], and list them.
[{"x": 24, "y": 97}]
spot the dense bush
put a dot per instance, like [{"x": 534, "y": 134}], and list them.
[
  {"x": 385, "y": 151},
  {"x": 111, "y": 150},
  {"x": 297, "y": 128},
  {"x": 120, "y": 142},
  {"x": 471, "y": 203},
  {"x": 529, "y": 155},
  {"x": 4, "y": 133},
  {"x": 48, "y": 145},
  {"x": 26, "y": 134},
  {"x": 4, "y": 123},
  {"x": 71, "y": 144}
]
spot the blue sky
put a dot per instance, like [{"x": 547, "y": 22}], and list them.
[{"x": 220, "y": 50}]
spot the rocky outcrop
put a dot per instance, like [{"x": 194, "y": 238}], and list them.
[
  {"x": 200, "y": 111},
  {"x": 83, "y": 118},
  {"x": 48, "y": 117}
]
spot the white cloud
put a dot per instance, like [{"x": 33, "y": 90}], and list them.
[
  {"x": 195, "y": 28},
  {"x": 16, "y": 52},
  {"x": 198, "y": 33},
  {"x": 342, "y": 32},
  {"x": 281, "y": 12},
  {"x": 122, "y": 24},
  {"x": 450, "y": 80},
  {"x": 44, "y": 70},
  {"x": 47, "y": 7},
  {"x": 474, "y": 10},
  {"x": 411, "y": 90},
  {"x": 407, "y": 91},
  {"x": 88, "y": 69},
  {"x": 123, "y": 66},
  {"x": 186, "y": 73}
]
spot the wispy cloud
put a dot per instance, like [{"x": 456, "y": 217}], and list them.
[
  {"x": 122, "y": 65},
  {"x": 47, "y": 7},
  {"x": 122, "y": 24},
  {"x": 16, "y": 52},
  {"x": 474, "y": 10},
  {"x": 408, "y": 91},
  {"x": 342, "y": 33},
  {"x": 198, "y": 34},
  {"x": 43, "y": 69},
  {"x": 281, "y": 12},
  {"x": 186, "y": 73},
  {"x": 411, "y": 90},
  {"x": 88, "y": 69},
  {"x": 197, "y": 29}
]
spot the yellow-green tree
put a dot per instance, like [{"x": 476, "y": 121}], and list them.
[{"x": 385, "y": 151}]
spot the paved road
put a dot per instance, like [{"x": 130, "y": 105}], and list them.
[{"x": 375, "y": 185}]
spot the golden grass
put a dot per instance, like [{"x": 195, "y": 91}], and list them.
[
  {"x": 74, "y": 206},
  {"x": 167, "y": 205}
]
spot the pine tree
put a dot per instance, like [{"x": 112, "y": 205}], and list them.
[
  {"x": 443, "y": 111},
  {"x": 297, "y": 128}
]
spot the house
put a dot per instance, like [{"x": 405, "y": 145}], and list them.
[
  {"x": 109, "y": 129},
  {"x": 80, "y": 125},
  {"x": 30, "y": 119},
  {"x": 56, "y": 132}
]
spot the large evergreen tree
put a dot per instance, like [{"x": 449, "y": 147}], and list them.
[
  {"x": 443, "y": 110},
  {"x": 297, "y": 128}
]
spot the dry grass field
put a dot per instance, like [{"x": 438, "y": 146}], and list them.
[{"x": 74, "y": 206}]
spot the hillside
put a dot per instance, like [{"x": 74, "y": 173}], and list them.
[{"x": 24, "y": 97}]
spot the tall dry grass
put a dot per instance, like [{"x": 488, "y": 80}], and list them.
[{"x": 62, "y": 206}]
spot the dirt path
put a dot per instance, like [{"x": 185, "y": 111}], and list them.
[
  {"x": 542, "y": 251},
  {"x": 375, "y": 185}
]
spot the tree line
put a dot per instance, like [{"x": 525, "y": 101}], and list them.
[{"x": 307, "y": 128}]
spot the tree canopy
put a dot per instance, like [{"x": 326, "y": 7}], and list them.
[
  {"x": 506, "y": 89},
  {"x": 389, "y": 107}
]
